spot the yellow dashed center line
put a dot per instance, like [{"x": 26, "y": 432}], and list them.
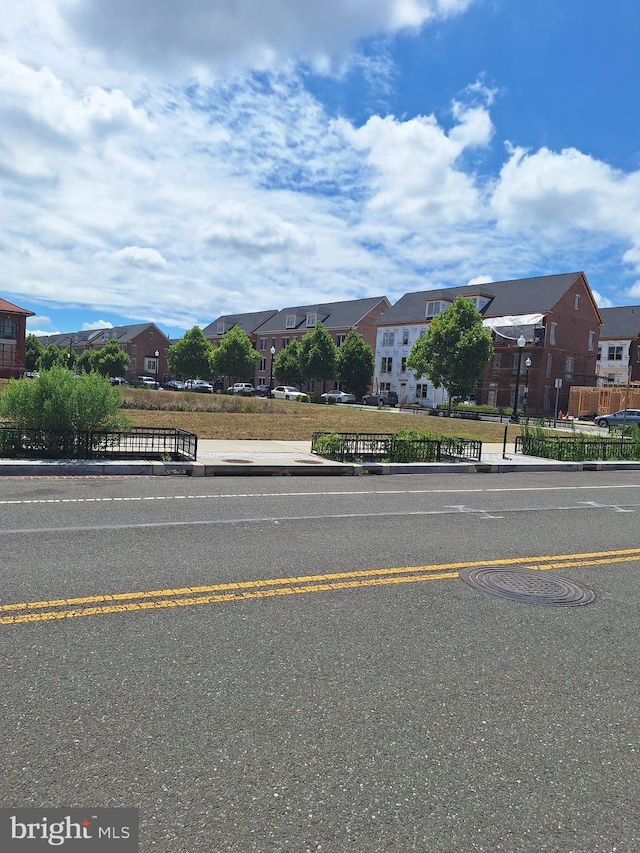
[{"x": 66, "y": 608}]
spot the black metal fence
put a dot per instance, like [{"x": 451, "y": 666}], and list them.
[
  {"x": 578, "y": 449},
  {"x": 137, "y": 443},
  {"x": 386, "y": 447}
]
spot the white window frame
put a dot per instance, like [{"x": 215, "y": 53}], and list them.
[
  {"x": 388, "y": 338},
  {"x": 312, "y": 319},
  {"x": 552, "y": 333},
  {"x": 290, "y": 321}
]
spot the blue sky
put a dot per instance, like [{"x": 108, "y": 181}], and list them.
[{"x": 172, "y": 162}]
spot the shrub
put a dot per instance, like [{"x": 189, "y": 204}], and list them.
[{"x": 58, "y": 399}]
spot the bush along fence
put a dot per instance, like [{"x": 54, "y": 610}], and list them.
[
  {"x": 137, "y": 443},
  {"x": 579, "y": 447},
  {"x": 389, "y": 447}
]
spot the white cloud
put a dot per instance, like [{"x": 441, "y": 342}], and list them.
[
  {"x": 141, "y": 257},
  {"x": 414, "y": 164},
  {"x": 97, "y": 324},
  {"x": 480, "y": 279},
  {"x": 555, "y": 191},
  {"x": 252, "y": 33},
  {"x": 38, "y": 320}
]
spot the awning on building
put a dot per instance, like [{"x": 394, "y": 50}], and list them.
[{"x": 511, "y": 327}]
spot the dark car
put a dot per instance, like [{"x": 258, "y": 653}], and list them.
[
  {"x": 261, "y": 391},
  {"x": 381, "y": 398},
  {"x": 174, "y": 385}
]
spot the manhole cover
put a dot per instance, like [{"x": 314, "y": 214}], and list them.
[
  {"x": 239, "y": 461},
  {"x": 527, "y": 586},
  {"x": 309, "y": 461}
]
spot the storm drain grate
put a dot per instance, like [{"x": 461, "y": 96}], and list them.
[
  {"x": 309, "y": 461},
  {"x": 527, "y": 586},
  {"x": 239, "y": 461}
]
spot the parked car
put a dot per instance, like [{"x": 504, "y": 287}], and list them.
[
  {"x": 147, "y": 382},
  {"x": 288, "y": 392},
  {"x": 381, "y": 398},
  {"x": 118, "y": 380},
  {"x": 631, "y": 416},
  {"x": 339, "y": 397},
  {"x": 261, "y": 391},
  {"x": 245, "y": 388},
  {"x": 174, "y": 385},
  {"x": 198, "y": 385}
]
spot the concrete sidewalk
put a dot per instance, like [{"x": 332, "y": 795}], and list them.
[{"x": 228, "y": 457}]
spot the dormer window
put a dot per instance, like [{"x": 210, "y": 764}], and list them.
[
  {"x": 479, "y": 301},
  {"x": 290, "y": 322},
  {"x": 220, "y": 329},
  {"x": 312, "y": 319},
  {"x": 436, "y": 307}
]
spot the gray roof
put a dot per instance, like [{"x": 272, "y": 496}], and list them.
[
  {"x": 517, "y": 296},
  {"x": 622, "y": 323},
  {"x": 333, "y": 315},
  {"x": 248, "y": 322},
  {"x": 122, "y": 334}
]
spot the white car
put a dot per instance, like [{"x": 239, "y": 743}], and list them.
[
  {"x": 288, "y": 392},
  {"x": 200, "y": 385},
  {"x": 339, "y": 397},
  {"x": 245, "y": 388}
]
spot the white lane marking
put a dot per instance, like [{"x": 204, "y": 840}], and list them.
[{"x": 347, "y": 493}]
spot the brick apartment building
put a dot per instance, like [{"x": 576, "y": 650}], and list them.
[
  {"x": 554, "y": 316},
  {"x": 13, "y": 324}
]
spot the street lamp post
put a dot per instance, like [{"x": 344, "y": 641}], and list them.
[
  {"x": 521, "y": 342},
  {"x": 157, "y": 357},
  {"x": 273, "y": 352},
  {"x": 527, "y": 364}
]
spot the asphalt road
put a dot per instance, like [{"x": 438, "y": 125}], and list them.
[{"x": 283, "y": 665}]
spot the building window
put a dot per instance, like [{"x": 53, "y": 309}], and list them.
[
  {"x": 549, "y": 364},
  {"x": 263, "y": 365},
  {"x": 388, "y": 339},
  {"x": 385, "y": 386},
  {"x": 134, "y": 349},
  {"x": 150, "y": 365},
  {"x": 340, "y": 340},
  {"x": 262, "y": 345},
  {"x": 592, "y": 341},
  {"x": 8, "y": 330},
  {"x": 569, "y": 368},
  {"x": 386, "y": 364},
  {"x": 552, "y": 334},
  {"x": 434, "y": 308},
  {"x": 576, "y": 301},
  {"x": 405, "y": 337},
  {"x": 290, "y": 321},
  {"x": 285, "y": 342},
  {"x": 615, "y": 353},
  {"x": 638, "y": 354},
  {"x": 403, "y": 365},
  {"x": 220, "y": 329},
  {"x": 599, "y": 354},
  {"x": 495, "y": 366},
  {"x": 422, "y": 391},
  {"x": 312, "y": 319}
]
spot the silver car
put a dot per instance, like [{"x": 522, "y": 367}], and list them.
[{"x": 630, "y": 416}]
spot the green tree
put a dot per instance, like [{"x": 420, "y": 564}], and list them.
[
  {"x": 454, "y": 351},
  {"x": 286, "y": 365},
  {"x": 110, "y": 360},
  {"x": 84, "y": 362},
  {"x": 57, "y": 399},
  {"x": 52, "y": 356},
  {"x": 235, "y": 357},
  {"x": 355, "y": 364},
  {"x": 318, "y": 355},
  {"x": 33, "y": 349},
  {"x": 191, "y": 356}
]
